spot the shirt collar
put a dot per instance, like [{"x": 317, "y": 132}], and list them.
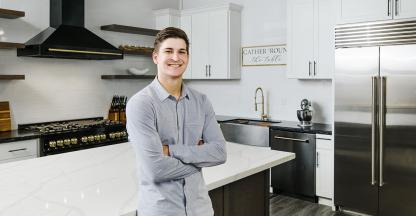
[{"x": 163, "y": 94}]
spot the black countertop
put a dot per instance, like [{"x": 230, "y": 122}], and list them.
[
  {"x": 317, "y": 128},
  {"x": 16, "y": 135}
]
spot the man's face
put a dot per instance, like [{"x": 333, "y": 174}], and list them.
[{"x": 172, "y": 58}]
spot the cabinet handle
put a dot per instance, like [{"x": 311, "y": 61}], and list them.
[
  {"x": 396, "y": 8},
  {"x": 317, "y": 159},
  {"x": 310, "y": 68},
  {"x": 314, "y": 68},
  {"x": 291, "y": 139},
  {"x": 388, "y": 7},
  {"x": 15, "y": 150},
  {"x": 206, "y": 70},
  {"x": 209, "y": 70}
]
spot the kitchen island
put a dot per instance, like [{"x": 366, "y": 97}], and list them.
[{"x": 102, "y": 181}]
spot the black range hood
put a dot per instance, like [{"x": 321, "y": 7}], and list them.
[{"x": 67, "y": 37}]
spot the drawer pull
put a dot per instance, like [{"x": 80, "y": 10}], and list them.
[
  {"x": 292, "y": 139},
  {"x": 15, "y": 150}
]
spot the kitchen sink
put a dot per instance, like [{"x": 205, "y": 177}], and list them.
[{"x": 247, "y": 131}]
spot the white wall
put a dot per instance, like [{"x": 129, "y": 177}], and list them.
[
  {"x": 264, "y": 23},
  {"x": 57, "y": 89}
]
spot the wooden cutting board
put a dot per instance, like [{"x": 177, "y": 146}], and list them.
[{"x": 5, "y": 119}]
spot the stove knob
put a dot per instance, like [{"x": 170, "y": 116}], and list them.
[
  {"x": 112, "y": 135},
  {"x": 91, "y": 138},
  {"x": 118, "y": 134},
  {"x": 60, "y": 143},
  {"x": 124, "y": 133},
  {"x": 74, "y": 141},
  {"x": 103, "y": 136},
  {"x": 97, "y": 137},
  {"x": 84, "y": 139},
  {"x": 52, "y": 144},
  {"x": 67, "y": 142}
]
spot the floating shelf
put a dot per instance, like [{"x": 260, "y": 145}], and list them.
[
  {"x": 128, "y": 76},
  {"x": 8, "y": 45},
  {"x": 142, "y": 53},
  {"x": 12, "y": 77},
  {"x": 129, "y": 29},
  {"x": 11, "y": 14}
]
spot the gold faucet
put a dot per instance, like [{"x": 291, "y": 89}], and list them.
[{"x": 263, "y": 116}]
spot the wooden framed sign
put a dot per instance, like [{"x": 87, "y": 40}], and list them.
[{"x": 264, "y": 55}]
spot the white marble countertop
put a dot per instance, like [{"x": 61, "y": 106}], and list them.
[{"x": 102, "y": 181}]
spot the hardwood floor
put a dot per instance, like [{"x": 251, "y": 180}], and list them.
[{"x": 288, "y": 206}]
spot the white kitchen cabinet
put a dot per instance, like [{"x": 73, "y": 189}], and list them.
[
  {"x": 324, "y": 166},
  {"x": 215, "y": 39},
  {"x": 19, "y": 150},
  {"x": 354, "y": 11},
  {"x": 310, "y": 39},
  {"x": 216, "y": 42}
]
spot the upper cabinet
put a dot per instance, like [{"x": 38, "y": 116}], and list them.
[
  {"x": 310, "y": 39},
  {"x": 354, "y": 11},
  {"x": 215, "y": 40}
]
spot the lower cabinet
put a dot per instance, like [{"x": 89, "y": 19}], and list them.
[
  {"x": 19, "y": 150},
  {"x": 246, "y": 197},
  {"x": 324, "y": 166}
]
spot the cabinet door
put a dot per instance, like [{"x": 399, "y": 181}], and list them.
[
  {"x": 354, "y": 11},
  {"x": 18, "y": 149},
  {"x": 324, "y": 52},
  {"x": 186, "y": 25},
  {"x": 323, "y": 173},
  {"x": 200, "y": 45},
  {"x": 218, "y": 45},
  {"x": 404, "y": 9},
  {"x": 324, "y": 168},
  {"x": 300, "y": 38}
]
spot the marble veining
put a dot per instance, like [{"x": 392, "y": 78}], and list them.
[{"x": 103, "y": 181}]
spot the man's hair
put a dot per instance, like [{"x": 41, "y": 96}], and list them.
[{"x": 170, "y": 32}]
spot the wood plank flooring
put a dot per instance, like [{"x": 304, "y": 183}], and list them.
[{"x": 288, "y": 206}]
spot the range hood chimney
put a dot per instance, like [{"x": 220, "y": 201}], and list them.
[{"x": 67, "y": 37}]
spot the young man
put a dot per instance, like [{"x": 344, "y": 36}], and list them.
[{"x": 174, "y": 133}]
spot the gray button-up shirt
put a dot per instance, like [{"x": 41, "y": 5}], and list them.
[{"x": 173, "y": 185}]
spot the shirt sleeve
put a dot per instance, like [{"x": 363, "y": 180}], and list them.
[
  {"x": 212, "y": 152},
  {"x": 146, "y": 142}
]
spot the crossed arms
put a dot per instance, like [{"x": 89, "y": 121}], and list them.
[{"x": 183, "y": 160}]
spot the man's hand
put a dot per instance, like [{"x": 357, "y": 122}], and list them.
[
  {"x": 200, "y": 142},
  {"x": 166, "y": 150}
]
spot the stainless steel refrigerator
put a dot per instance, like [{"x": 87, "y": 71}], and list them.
[{"x": 375, "y": 120}]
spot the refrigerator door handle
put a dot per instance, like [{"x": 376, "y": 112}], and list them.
[
  {"x": 374, "y": 94},
  {"x": 382, "y": 123}
]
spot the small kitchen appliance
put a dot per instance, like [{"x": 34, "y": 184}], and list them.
[
  {"x": 72, "y": 135},
  {"x": 305, "y": 114}
]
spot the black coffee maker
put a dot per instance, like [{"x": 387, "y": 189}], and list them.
[{"x": 305, "y": 114}]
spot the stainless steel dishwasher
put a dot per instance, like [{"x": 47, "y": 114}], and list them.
[{"x": 295, "y": 178}]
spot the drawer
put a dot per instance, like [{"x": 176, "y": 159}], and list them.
[
  {"x": 18, "y": 149},
  {"x": 324, "y": 144}
]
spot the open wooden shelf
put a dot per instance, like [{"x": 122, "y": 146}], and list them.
[
  {"x": 142, "y": 53},
  {"x": 11, "y": 14},
  {"x": 128, "y": 76},
  {"x": 8, "y": 45},
  {"x": 12, "y": 77},
  {"x": 130, "y": 29}
]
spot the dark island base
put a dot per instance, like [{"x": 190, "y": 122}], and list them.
[{"x": 246, "y": 197}]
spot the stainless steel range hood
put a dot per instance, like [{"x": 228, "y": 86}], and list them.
[{"x": 67, "y": 37}]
